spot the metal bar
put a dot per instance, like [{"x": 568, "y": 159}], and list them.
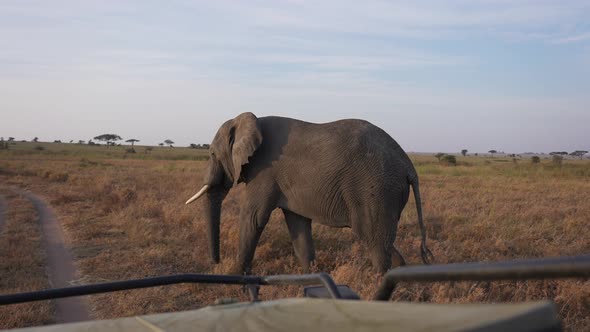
[
  {"x": 305, "y": 280},
  {"x": 562, "y": 267},
  {"x": 126, "y": 285}
]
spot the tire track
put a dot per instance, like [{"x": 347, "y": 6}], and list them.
[{"x": 60, "y": 262}]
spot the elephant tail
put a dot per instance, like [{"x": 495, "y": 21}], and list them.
[{"x": 427, "y": 256}]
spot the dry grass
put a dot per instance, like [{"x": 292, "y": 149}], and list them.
[
  {"x": 126, "y": 219},
  {"x": 22, "y": 265}
]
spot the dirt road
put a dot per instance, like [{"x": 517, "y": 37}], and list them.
[{"x": 60, "y": 263}]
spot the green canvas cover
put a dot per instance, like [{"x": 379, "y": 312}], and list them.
[{"x": 307, "y": 315}]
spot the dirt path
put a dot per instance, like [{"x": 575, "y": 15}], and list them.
[
  {"x": 2, "y": 212},
  {"x": 60, "y": 263}
]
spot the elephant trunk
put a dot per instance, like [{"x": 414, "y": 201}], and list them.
[{"x": 212, "y": 209}]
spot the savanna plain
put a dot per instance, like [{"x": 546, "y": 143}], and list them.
[{"x": 124, "y": 217}]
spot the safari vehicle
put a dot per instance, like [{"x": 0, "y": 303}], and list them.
[{"x": 330, "y": 307}]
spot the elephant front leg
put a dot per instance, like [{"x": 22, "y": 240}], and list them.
[
  {"x": 252, "y": 223},
  {"x": 300, "y": 232}
]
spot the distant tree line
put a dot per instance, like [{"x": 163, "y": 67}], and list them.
[
  {"x": 578, "y": 153},
  {"x": 107, "y": 139},
  {"x": 557, "y": 156},
  {"x": 111, "y": 140},
  {"x": 199, "y": 146}
]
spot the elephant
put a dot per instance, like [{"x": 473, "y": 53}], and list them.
[{"x": 348, "y": 173}]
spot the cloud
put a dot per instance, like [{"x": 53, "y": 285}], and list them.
[
  {"x": 415, "y": 19},
  {"x": 573, "y": 38}
]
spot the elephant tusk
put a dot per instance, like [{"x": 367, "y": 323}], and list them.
[{"x": 199, "y": 194}]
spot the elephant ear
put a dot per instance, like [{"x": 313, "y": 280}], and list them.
[{"x": 247, "y": 138}]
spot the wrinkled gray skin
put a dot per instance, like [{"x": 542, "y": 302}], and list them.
[{"x": 347, "y": 173}]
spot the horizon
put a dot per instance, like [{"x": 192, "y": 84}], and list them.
[
  {"x": 464, "y": 75},
  {"x": 138, "y": 144}
]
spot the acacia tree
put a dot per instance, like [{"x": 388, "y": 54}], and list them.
[
  {"x": 132, "y": 141},
  {"x": 439, "y": 155},
  {"x": 169, "y": 142},
  {"x": 110, "y": 139},
  {"x": 36, "y": 139},
  {"x": 579, "y": 153},
  {"x": 492, "y": 152},
  {"x": 464, "y": 152}
]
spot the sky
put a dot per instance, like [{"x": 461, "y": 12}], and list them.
[{"x": 438, "y": 76}]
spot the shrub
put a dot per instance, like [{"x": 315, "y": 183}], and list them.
[
  {"x": 58, "y": 177},
  {"x": 557, "y": 160},
  {"x": 535, "y": 159},
  {"x": 439, "y": 155},
  {"x": 449, "y": 160},
  {"x": 39, "y": 148}
]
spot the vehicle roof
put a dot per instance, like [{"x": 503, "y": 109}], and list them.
[{"x": 307, "y": 315}]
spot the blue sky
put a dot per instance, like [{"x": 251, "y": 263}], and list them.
[{"x": 437, "y": 76}]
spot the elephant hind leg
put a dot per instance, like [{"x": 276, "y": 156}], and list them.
[
  {"x": 300, "y": 232},
  {"x": 381, "y": 248},
  {"x": 380, "y": 257},
  {"x": 399, "y": 258}
]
